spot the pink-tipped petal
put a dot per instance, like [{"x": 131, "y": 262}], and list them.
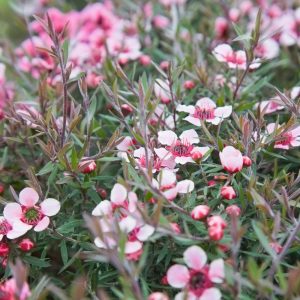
[
  {"x": 50, "y": 207},
  {"x": 178, "y": 276},
  {"x": 216, "y": 271},
  {"x": 190, "y": 136},
  {"x": 186, "y": 108},
  {"x": 211, "y": 294},
  {"x": 42, "y": 225},
  {"x": 118, "y": 194},
  {"x": 192, "y": 120},
  {"x": 145, "y": 232},
  {"x": 185, "y": 186},
  {"x": 103, "y": 208},
  {"x": 12, "y": 211},
  {"x": 195, "y": 257},
  {"x": 132, "y": 247},
  {"x": 223, "y": 112},
  {"x": 167, "y": 137},
  {"x": 206, "y": 103},
  {"x": 28, "y": 197},
  {"x": 166, "y": 178}
]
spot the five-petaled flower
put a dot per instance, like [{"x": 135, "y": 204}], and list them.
[
  {"x": 179, "y": 149},
  {"x": 205, "y": 110},
  {"x": 198, "y": 279},
  {"x": 29, "y": 214}
]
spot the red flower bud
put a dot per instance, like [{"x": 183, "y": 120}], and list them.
[
  {"x": 126, "y": 109},
  {"x": 1, "y": 188},
  {"x": 26, "y": 245},
  {"x": 211, "y": 183},
  {"x": 102, "y": 192},
  {"x": 87, "y": 166},
  {"x": 196, "y": 156},
  {"x": 247, "y": 162},
  {"x": 4, "y": 249},
  {"x": 215, "y": 233}
]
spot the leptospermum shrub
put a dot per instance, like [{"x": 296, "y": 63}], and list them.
[{"x": 149, "y": 150}]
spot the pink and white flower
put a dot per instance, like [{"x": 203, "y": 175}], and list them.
[
  {"x": 205, "y": 110},
  {"x": 234, "y": 59},
  {"x": 287, "y": 139},
  {"x": 167, "y": 183},
  {"x": 198, "y": 278},
  {"x": 121, "y": 213},
  {"x": 231, "y": 159},
  {"x": 179, "y": 149},
  {"x": 267, "y": 49},
  {"x": 28, "y": 214},
  {"x": 270, "y": 106}
]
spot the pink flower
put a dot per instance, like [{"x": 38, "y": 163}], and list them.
[
  {"x": 286, "y": 140},
  {"x": 200, "y": 212},
  {"x": 231, "y": 159},
  {"x": 234, "y": 59},
  {"x": 189, "y": 84},
  {"x": 267, "y": 49},
  {"x": 198, "y": 279},
  {"x": 179, "y": 149},
  {"x": 145, "y": 60},
  {"x": 227, "y": 192},
  {"x": 270, "y": 106},
  {"x": 233, "y": 210},
  {"x": 10, "y": 290},
  {"x": 28, "y": 214},
  {"x": 166, "y": 182},
  {"x": 121, "y": 213},
  {"x": 205, "y": 110}
]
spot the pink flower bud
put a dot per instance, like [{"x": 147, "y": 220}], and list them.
[
  {"x": 231, "y": 159},
  {"x": 234, "y": 14},
  {"x": 87, "y": 166},
  {"x": 221, "y": 27},
  {"x": 145, "y": 60},
  {"x": 1, "y": 188},
  {"x": 247, "y": 162},
  {"x": 211, "y": 183},
  {"x": 102, "y": 192},
  {"x": 227, "y": 192},
  {"x": 200, "y": 212},
  {"x": 216, "y": 221},
  {"x": 215, "y": 233},
  {"x": 189, "y": 84},
  {"x": 175, "y": 227},
  {"x": 276, "y": 247},
  {"x": 233, "y": 210},
  {"x": 160, "y": 22},
  {"x": 4, "y": 249},
  {"x": 164, "y": 65},
  {"x": 26, "y": 245},
  {"x": 196, "y": 156}
]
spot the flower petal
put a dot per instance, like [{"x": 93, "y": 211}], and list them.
[
  {"x": 183, "y": 160},
  {"x": 223, "y": 112},
  {"x": 28, "y": 197},
  {"x": 193, "y": 121},
  {"x": 50, "y": 207},
  {"x": 167, "y": 137},
  {"x": 216, "y": 271},
  {"x": 178, "y": 276},
  {"x": 12, "y": 211},
  {"x": 206, "y": 103},
  {"x": 190, "y": 136},
  {"x": 42, "y": 225},
  {"x": 211, "y": 294},
  {"x": 118, "y": 194},
  {"x": 131, "y": 247},
  {"x": 127, "y": 224},
  {"x": 162, "y": 153},
  {"x": 145, "y": 232},
  {"x": 186, "y": 108},
  {"x": 103, "y": 208},
  {"x": 166, "y": 178},
  {"x": 195, "y": 257},
  {"x": 185, "y": 186}
]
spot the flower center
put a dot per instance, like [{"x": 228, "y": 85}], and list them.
[
  {"x": 285, "y": 139},
  {"x": 31, "y": 215},
  {"x": 5, "y": 227},
  {"x": 181, "y": 148},
  {"x": 204, "y": 113},
  {"x": 199, "y": 281}
]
